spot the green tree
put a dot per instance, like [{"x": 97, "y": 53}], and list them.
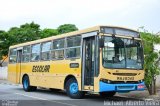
[
  {"x": 151, "y": 60},
  {"x": 4, "y": 45},
  {"x": 29, "y": 32},
  {"x": 26, "y": 32},
  {"x": 48, "y": 32},
  {"x": 66, "y": 28},
  {"x": 14, "y": 35}
]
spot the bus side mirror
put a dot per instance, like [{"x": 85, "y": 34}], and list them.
[{"x": 101, "y": 42}]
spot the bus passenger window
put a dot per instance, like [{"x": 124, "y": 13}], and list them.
[
  {"x": 73, "y": 47},
  {"x": 13, "y": 56},
  {"x": 46, "y": 47},
  {"x": 58, "y": 49},
  {"x": 26, "y": 53},
  {"x": 73, "y": 52},
  {"x": 35, "y": 52}
]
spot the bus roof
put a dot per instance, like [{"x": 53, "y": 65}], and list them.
[{"x": 95, "y": 28}]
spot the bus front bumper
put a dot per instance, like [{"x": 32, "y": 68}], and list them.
[{"x": 104, "y": 87}]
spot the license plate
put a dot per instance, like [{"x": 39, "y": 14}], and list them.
[{"x": 125, "y": 78}]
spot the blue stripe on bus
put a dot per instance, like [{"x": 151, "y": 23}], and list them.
[{"x": 119, "y": 87}]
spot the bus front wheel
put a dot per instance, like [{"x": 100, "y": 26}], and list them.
[
  {"x": 107, "y": 94},
  {"x": 26, "y": 84},
  {"x": 72, "y": 89}
]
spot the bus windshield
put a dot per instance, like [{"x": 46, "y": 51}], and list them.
[{"x": 122, "y": 53}]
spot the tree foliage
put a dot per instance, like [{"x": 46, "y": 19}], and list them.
[
  {"x": 66, "y": 28},
  {"x": 26, "y": 32},
  {"x": 151, "y": 59},
  {"x": 4, "y": 43},
  {"x": 48, "y": 32}
]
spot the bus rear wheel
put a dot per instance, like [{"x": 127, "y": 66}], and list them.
[
  {"x": 107, "y": 94},
  {"x": 26, "y": 84},
  {"x": 72, "y": 89}
]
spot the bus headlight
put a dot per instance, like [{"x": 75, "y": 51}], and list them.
[
  {"x": 140, "y": 81},
  {"x": 109, "y": 81},
  {"x": 105, "y": 80}
]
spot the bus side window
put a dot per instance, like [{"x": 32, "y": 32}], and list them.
[
  {"x": 73, "y": 47},
  {"x": 35, "y": 53},
  {"x": 26, "y": 53},
  {"x": 13, "y": 56},
  {"x": 58, "y": 49},
  {"x": 45, "y": 53}
]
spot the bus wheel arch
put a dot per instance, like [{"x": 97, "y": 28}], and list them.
[
  {"x": 67, "y": 78},
  {"x": 71, "y": 86},
  {"x": 26, "y": 84}
]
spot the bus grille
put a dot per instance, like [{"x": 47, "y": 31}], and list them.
[
  {"x": 125, "y": 87},
  {"x": 124, "y": 82},
  {"x": 125, "y": 74}
]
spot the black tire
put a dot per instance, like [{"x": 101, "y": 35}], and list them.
[
  {"x": 71, "y": 92},
  {"x": 26, "y": 84},
  {"x": 33, "y": 88},
  {"x": 107, "y": 94}
]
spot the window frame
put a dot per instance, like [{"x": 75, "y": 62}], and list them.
[
  {"x": 12, "y": 55},
  {"x": 64, "y": 57},
  {"x": 125, "y": 60},
  {"x": 65, "y": 48},
  {"x": 26, "y": 54},
  {"x": 47, "y": 51},
  {"x": 68, "y": 58},
  {"x": 34, "y": 53}
]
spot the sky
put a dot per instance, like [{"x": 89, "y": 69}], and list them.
[{"x": 83, "y": 13}]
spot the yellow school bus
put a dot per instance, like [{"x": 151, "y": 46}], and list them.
[{"x": 100, "y": 59}]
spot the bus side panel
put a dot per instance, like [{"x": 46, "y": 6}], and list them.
[
  {"x": 55, "y": 77},
  {"x": 26, "y": 68},
  {"x": 12, "y": 74},
  {"x": 47, "y": 79},
  {"x": 96, "y": 84},
  {"x": 59, "y": 70}
]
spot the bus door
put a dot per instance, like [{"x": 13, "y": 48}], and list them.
[
  {"x": 18, "y": 65},
  {"x": 88, "y": 61}
]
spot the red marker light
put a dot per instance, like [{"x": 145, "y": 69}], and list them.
[{"x": 140, "y": 86}]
